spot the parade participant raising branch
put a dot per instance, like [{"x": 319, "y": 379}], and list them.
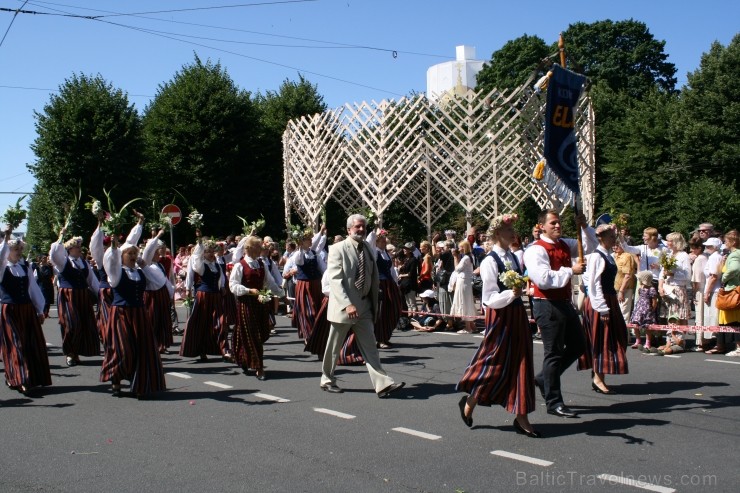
[{"x": 550, "y": 269}]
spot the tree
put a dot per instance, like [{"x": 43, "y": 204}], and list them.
[
  {"x": 199, "y": 132},
  {"x": 709, "y": 122},
  {"x": 513, "y": 64},
  {"x": 276, "y": 108},
  {"x": 706, "y": 200},
  {"x": 88, "y": 138}
]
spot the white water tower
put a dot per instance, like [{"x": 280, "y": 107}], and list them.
[{"x": 457, "y": 76}]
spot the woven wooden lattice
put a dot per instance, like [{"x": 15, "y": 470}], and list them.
[{"x": 475, "y": 150}]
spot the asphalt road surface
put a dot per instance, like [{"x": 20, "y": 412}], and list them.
[{"x": 673, "y": 426}]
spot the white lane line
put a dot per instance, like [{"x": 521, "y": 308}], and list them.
[
  {"x": 671, "y": 356},
  {"x": 723, "y": 361},
  {"x": 48, "y": 344},
  {"x": 415, "y": 433},
  {"x": 448, "y": 333},
  {"x": 637, "y": 484},
  {"x": 535, "y": 341},
  {"x": 269, "y": 397},
  {"x": 178, "y": 375},
  {"x": 334, "y": 413},
  {"x": 523, "y": 458},
  {"x": 478, "y": 337},
  {"x": 219, "y": 385}
]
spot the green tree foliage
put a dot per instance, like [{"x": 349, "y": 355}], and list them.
[
  {"x": 709, "y": 122},
  {"x": 275, "y": 108},
  {"x": 88, "y": 138},
  {"x": 513, "y": 64},
  {"x": 199, "y": 132},
  {"x": 42, "y": 214},
  {"x": 705, "y": 199}
]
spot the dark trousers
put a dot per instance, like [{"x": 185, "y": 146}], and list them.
[{"x": 563, "y": 341}]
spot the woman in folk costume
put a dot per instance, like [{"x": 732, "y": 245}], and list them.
[
  {"x": 74, "y": 300},
  {"x": 502, "y": 370},
  {"x": 310, "y": 266},
  {"x": 606, "y": 331},
  {"x": 248, "y": 278},
  {"x": 390, "y": 299},
  {"x": 224, "y": 261},
  {"x": 159, "y": 295},
  {"x": 131, "y": 351},
  {"x": 207, "y": 319},
  {"x": 21, "y": 315},
  {"x": 98, "y": 242}
]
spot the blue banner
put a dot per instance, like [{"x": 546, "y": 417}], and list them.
[{"x": 561, "y": 148}]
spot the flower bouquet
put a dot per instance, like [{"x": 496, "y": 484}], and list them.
[
  {"x": 295, "y": 231},
  {"x": 164, "y": 222},
  {"x": 188, "y": 302},
  {"x": 667, "y": 262},
  {"x": 252, "y": 228},
  {"x": 264, "y": 296},
  {"x": 115, "y": 220},
  {"x": 512, "y": 279},
  {"x": 96, "y": 208},
  {"x": 15, "y": 215},
  {"x": 195, "y": 219}
]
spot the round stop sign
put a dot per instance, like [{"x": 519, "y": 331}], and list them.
[{"x": 173, "y": 212}]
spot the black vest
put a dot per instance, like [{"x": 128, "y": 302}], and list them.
[{"x": 15, "y": 288}]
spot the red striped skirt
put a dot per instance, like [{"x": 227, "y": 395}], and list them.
[
  {"x": 157, "y": 305},
  {"x": 105, "y": 298},
  {"x": 131, "y": 351},
  {"x": 606, "y": 344},
  {"x": 204, "y": 326},
  {"x": 390, "y": 310},
  {"x": 350, "y": 353},
  {"x": 77, "y": 319},
  {"x": 250, "y": 333},
  {"x": 229, "y": 306},
  {"x": 502, "y": 370},
  {"x": 23, "y": 346},
  {"x": 316, "y": 342},
  {"x": 308, "y": 297}
]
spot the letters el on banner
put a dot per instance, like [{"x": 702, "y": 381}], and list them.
[{"x": 561, "y": 149}]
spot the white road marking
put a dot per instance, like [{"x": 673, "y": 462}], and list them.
[
  {"x": 535, "y": 341},
  {"x": 178, "y": 375},
  {"x": 415, "y": 433},
  {"x": 523, "y": 458},
  {"x": 269, "y": 397},
  {"x": 671, "y": 356},
  {"x": 723, "y": 361},
  {"x": 219, "y": 385},
  {"x": 48, "y": 344},
  {"x": 478, "y": 337},
  {"x": 447, "y": 333},
  {"x": 637, "y": 484},
  {"x": 334, "y": 413}
]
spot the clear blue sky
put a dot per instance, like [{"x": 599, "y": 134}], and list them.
[{"x": 321, "y": 39}]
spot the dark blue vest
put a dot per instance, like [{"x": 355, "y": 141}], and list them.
[
  {"x": 128, "y": 292},
  {"x": 15, "y": 289},
  {"x": 608, "y": 275},
  {"x": 384, "y": 268},
  {"x": 103, "y": 278},
  {"x": 71, "y": 277},
  {"x": 309, "y": 271},
  {"x": 501, "y": 269},
  {"x": 208, "y": 282}
]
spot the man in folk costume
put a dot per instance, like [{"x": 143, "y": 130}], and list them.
[
  {"x": 353, "y": 305},
  {"x": 75, "y": 301},
  {"x": 550, "y": 268},
  {"x": 309, "y": 268}
]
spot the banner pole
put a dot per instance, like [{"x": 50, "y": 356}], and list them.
[{"x": 561, "y": 49}]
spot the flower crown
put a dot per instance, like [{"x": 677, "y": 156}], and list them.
[
  {"x": 73, "y": 242},
  {"x": 605, "y": 227},
  {"x": 13, "y": 242},
  {"x": 450, "y": 232},
  {"x": 383, "y": 232},
  {"x": 209, "y": 244},
  {"x": 499, "y": 221}
]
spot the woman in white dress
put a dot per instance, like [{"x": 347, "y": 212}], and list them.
[{"x": 463, "y": 303}]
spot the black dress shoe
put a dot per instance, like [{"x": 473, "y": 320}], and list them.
[
  {"x": 331, "y": 388},
  {"x": 531, "y": 434},
  {"x": 563, "y": 411},
  {"x": 540, "y": 386},
  {"x": 261, "y": 377},
  {"x": 468, "y": 420},
  {"x": 390, "y": 389},
  {"x": 600, "y": 391}
]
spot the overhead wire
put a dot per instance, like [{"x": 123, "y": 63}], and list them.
[{"x": 11, "y": 22}]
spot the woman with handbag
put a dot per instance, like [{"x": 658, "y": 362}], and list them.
[{"x": 728, "y": 299}]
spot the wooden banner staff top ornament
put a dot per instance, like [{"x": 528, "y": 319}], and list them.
[{"x": 559, "y": 167}]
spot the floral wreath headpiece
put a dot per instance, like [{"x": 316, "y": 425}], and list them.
[
  {"x": 209, "y": 244},
  {"x": 16, "y": 242},
  {"x": 499, "y": 221},
  {"x": 383, "y": 232},
  {"x": 73, "y": 242},
  {"x": 450, "y": 232},
  {"x": 605, "y": 227}
]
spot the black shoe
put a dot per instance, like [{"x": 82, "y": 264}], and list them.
[
  {"x": 563, "y": 411},
  {"x": 262, "y": 377},
  {"x": 203, "y": 358},
  {"x": 468, "y": 420},
  {"x": 599, "y": 391},
  {"x": 531, "y": 434},
  {"x": 540, "y": 386},
  {"x": 331, "y": 388},
  {"x": 390, "y": 389}
]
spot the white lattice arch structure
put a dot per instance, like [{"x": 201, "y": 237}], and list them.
[{"x": 475, "y": 150}]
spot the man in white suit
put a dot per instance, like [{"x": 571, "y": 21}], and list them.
[{"x": 353, "y": 305}]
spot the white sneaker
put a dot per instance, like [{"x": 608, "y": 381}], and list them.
[{"x": 734, "y": 354}]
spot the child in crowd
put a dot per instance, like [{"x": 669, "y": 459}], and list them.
[
  {"x": 644, "y": 312},
  {"x": 428, "y": 323},
  {"x": 674, "y": 343}
]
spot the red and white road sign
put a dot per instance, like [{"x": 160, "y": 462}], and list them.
[{"x": 173, "y": 212}]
